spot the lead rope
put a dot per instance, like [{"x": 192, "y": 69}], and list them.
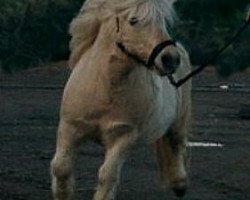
[
  {"x": 150, "y": 62},
  {"x": 213, "y": 58}
]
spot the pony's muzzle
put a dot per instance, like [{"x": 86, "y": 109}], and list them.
[{"x": 168, "y": 61}]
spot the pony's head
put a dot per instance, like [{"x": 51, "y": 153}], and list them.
[{"x": 139, "y": 25}]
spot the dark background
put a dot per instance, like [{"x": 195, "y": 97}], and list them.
[{"x": 35, "y": 32}]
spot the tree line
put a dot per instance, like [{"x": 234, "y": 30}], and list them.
[{"x": 36, "y": 31}]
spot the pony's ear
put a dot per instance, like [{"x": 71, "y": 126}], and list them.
[{"x": 84, "y": 30}]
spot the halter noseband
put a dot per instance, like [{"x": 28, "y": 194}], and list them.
[{"x": 155, "y": 52}]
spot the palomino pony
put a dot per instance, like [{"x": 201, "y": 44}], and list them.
[{"x": 112, "y": 97}]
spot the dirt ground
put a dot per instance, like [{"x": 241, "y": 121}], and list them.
[{"x": 29, "y": 104}]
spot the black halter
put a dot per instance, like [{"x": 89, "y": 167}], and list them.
[
  {"x": 150, "y": 62},
  {"x": 155, "y": 52}
]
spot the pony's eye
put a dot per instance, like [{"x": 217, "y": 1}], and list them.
[{"x": 133, "y": 21}]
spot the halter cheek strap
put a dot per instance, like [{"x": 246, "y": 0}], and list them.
[
  {"x": 134, "y": 57},
  {"x": 155, "y": 52}
]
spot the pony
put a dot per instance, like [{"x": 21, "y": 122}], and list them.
[{"x": 113, "y": 97}]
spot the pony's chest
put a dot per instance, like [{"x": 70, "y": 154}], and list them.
[
  {"x": 154, "y": 103},
  {"x": 146, "y": 101},
  {"x": 161, "y": 118}
]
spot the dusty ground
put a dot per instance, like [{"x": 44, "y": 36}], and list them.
[{"x": 28, "y": 119}]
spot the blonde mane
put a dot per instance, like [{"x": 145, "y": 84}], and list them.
[{"x": 85, "y": 27}]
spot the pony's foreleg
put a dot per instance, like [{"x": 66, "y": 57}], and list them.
[
  {"x": 109, "y": 172},
  {"x": 63, "y": 162},
  {"x": 172, "y": 158}
]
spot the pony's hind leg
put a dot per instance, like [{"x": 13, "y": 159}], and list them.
[
  {"x": 63, "y": 162},
  {"x": 109, "y": 172},
  {"x": 172, "y": 159}
]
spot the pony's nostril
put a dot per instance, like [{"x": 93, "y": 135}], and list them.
[
  {"x": 170, "y": 63},
  {"x": 177, "y": 60},
  {"x": 167, "y": 60}
]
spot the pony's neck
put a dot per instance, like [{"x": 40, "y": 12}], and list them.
[{"x": 116, "y": 66}]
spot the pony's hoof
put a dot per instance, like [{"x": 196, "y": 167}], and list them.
[
  {"x": 180, "y": 188},
  {"x": 180, "y": 192}
]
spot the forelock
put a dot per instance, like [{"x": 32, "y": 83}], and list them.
[{"x": 157, "y": 9}]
